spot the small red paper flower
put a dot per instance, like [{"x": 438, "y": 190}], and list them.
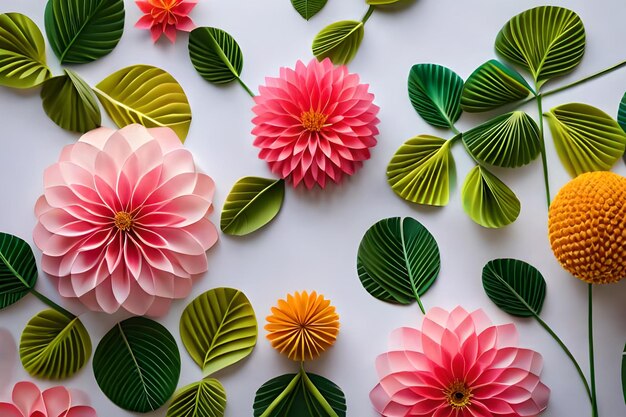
[{"x": 166, "y": 17}]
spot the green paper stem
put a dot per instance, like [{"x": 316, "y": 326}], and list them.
[
  {"x": 542, "y": 143},
  {"x": 592, "y": 368},
  {"x": 370, "y": 10},
  {"x": 51, "y": 304},
  {"x": 245, "y": 87},
  {"x": 292, "y": 385},
  {"x": 316, "y": 393},
  {"x": 585, "y": 79}
]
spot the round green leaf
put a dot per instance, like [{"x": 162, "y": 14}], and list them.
[
  {"x": 339, "y": 41},
  {"x": 420, "y": 170},
  {"x": 308, "y": 8},
  {"x": 398, "y": 260},
  {"x": 435, "y": 93},
  {"x": 509, "y": 140},
  {"x": 206, "y": 398},
  {"x": 146, "y": 95},
  {"x": 548, "y": 41},
  {"x": 515, "y": 286},
  {"x": 54, "y": 346},
  {"x": 81, "y": 31},
  {"x": 219, "y": 329},
  {"x": 621, "y": 113},
  {"x": 493, "y": 85},
  {"x": 251, "y": 204},
  {"x": 70, "y": 103},
  {"x": 22, "y": 52},
  {"x": 487, "y": 200},
  {"x": 215, "y": 55},
  {"x": 137, "y": 365},
  {"x": 586, "y": 138},
  {"x": 18, "y": 269}
]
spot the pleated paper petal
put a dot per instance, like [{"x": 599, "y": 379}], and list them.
[{"x": 28, "y": 401}]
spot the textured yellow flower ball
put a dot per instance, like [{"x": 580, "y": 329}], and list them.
[{"x": 587, "y": 227}]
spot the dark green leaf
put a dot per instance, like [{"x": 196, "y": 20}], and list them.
[
  {"x": 621, "y": 114},
  {"x": 215, "y": 55},
  {"x": 206, "y": 398},
  {"x": 308, "y": 8},
  {"x": 435, "y": 93},
  {"x": 339, "y": 41},
  {"x": 18, "y": 269}
]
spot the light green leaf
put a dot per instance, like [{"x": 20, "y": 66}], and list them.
[
  {"x": 420, "y": 170},
  {"x": 206, "y": 398},
  {"x": 586, "y": 138},
  {"x": 54, "y": 346},
  {"x": 219, "y": 329},
  {"x": 435, "y": 93},
  {"x": 137, "y": 365},
  {"x": 146, "y": 95},
  {"x": 509, "y": 140},
  {"x": 308, "y": 8},
  {"x": 70, "y": 103},
  {"x": 487, "y": 200},
  {"x": 215, "y": 55},
  {"x": 548, "y": 41},
  {"x": 81, "y": 31},
  {"x": 492, "y": 85},
  {"x": 339, "y": 41},
  {"x": 18, "y": 269},
  {"x": 251, "y": 204},
  {"x": 22, "y": 52},
  {"x": 621, "y": 113}
]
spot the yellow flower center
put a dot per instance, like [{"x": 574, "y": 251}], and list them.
[
  {"x": 458, "y": 394},
  {"x": 313, "y": 121},
  {"x": 123, "y": 221}
]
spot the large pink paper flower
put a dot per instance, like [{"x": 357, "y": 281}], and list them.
[
  {"x": 459, "y": 365},
  {"x": 166, "y": 17},
  {"x": 123, "y": 220},
  {"x": 315, "y": 122},
  {"x": 28, "y": 401}
]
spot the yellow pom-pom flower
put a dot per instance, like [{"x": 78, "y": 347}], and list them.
[
  {"x": 587, "y": 227},
  {"x": 303, "y": 326}
]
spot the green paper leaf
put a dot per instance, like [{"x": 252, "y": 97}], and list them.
[
  {"x": 339, "y": 41},
  {"x": 137, "y": 365},
  {"x": 548, "y": 41},
  {"x": 54, "y": 346},
  {"x": 586, "y": 138},
  {"x": 621, "y": 113},
  {"x": 215, "y": 55},
  {"x": 81, "y": 31},
  {"x": 492, "y": 85},
  {"x": 146, "y": 95},
  {"x": 487, "y": 200},
  {"x": 219, "y": 329},
  {"x": 515, "y": 286},
  {"x": 308, "y": 8},
  {"x": 70, "y": 103},
  {"x": 206, "y": 398},
  {"x": 509, "y": 140},
  {"x": 624, "y": 372},
  {"x": 435, "y": 93},
  {"x": 18, "y": 269},
  {"x": 398, "y": 260},
  {"x": 381, "y": 2},
  {"x": 299, "y": 395},
  {"x": 22, "y": 52},
  {"x": 420, "y": 170}
]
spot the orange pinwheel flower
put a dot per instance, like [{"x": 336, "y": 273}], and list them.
[{"x": 303, "y": 326}]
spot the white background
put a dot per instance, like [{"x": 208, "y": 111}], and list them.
[{"x": 313, "y": 242}]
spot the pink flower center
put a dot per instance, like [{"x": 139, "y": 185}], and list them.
[
  {"x": 458, "y": 394},
  {"x": 313, "y": 121},
  {"x": 123, "y": 221}
]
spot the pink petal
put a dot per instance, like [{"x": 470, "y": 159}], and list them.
[
  {"x": 9, "y": 410},
  {"x": 81, "y": 411},
  {"x": 57, "y": 401},
  {"x": 27, "y": 397},
  {"x": 144, "y": 22}
]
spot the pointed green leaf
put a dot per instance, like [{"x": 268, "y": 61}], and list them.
[
  {"x": 339, "y": 41},
  {"x": 493, "y": 85},
  {"x": 219, "y": 329},
  {"x": 308, "y": 8},
  {"x": 18, "y": 269},
  {"x": 81, "y": 31},
  {"x": 487, "y": 200},
  {"x": 515, "y": 286},
  {"x": 206, "y": 398},
  {"x": 435, "y": 93},
  {"x": 215, "y": 55},
  {"x": 22, "y": 52},
  {"x": 420, "y": 170},
  {"x": 586, "y": 138},
  {"x": 398, "y": 260},
  {"x": 146, "y": 95},
  {"x": 548, "y": 41},
  {"x": 509, "y": 140},
  {"x": 621, "y": 113},
  {"x": 54, "y": 346},
  {"x": 251, "y": 204},
  {"x": 137, "y": 365}
]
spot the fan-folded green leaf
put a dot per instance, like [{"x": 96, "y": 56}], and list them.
[
  {"x": 308, "y": 8},
  {"x": 339, "y": 41},
  {"x": 18, "y": 269},
  {"x": 215, "y": 55},
  {"x": 206, "y": 398},
  {"x": 435, "y": 93}
]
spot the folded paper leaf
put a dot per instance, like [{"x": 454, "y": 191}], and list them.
[
  {"x": 339, "y": 41},
  {"x": 29, "y": 401},
  {"x": 206, "y": 398},
  {"x": 165, "y": 17},
  {"x": 308, "y": 8},
  {"x": 215, "y": 55},
  {"x": 18, "y": 269},
  {"x": 621, "y": 114}
]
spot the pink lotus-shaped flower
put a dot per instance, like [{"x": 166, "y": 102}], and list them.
[
  {"x": 459, "y": 365},
  {"x": 28, "y": 401},
  {"x": 314, "y": 122},
  {"x": 166, "y": 17},
  {"x": 123, "y": 220}
]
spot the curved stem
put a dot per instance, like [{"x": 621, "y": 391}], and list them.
[
  {"x": 51, "y": 304},
  {"x": 245, "y": 87},
  {"x": 592, "y": 370},
  {"x": 542, "y": 143},
  {"x": 584, "y": 80},
  {"x": 370, "y": 10}
]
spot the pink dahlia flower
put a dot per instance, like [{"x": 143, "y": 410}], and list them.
[
  {"x": 28, "y": 401},
  {"x": 123, "y": 220},
  {"x": 166, "y": 17},
  {"x": 459, "y": 365},
  {"x": 315, "y": 122}
]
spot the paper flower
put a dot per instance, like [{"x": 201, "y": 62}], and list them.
[
  {"x": 314, "y": 122},
  {"x": 587, "y": 227},
  {"x": 458, "y": 365},
  {"x": 28, "y": 401},
  {"x": 303, "y": 326},
  {"x": 123, "y": 222},
  {"x": 166, "y": 17}
]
